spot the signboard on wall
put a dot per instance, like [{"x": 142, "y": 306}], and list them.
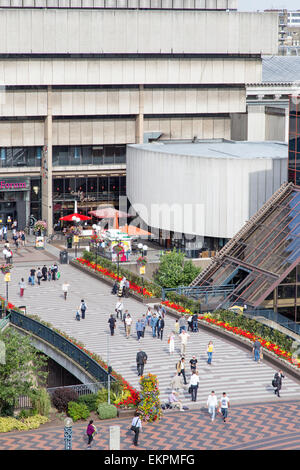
[{"x": 14, "y": 184}]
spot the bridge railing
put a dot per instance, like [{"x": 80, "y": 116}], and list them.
[
  {"x": 204, "y": 292},
  {"x": 62, "y": 344},
  {"x": 80, "y": 389}
]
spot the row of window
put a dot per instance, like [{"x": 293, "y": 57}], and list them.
[
  {"x": 66, "y": 188},
  {"x": 63, "y": 156}
]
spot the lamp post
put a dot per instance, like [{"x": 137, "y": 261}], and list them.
[{"x": 68, "y": 422}]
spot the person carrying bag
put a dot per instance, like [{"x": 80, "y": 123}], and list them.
[{"x": 136, "y": 425}]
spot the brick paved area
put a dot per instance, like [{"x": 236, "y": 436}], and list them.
[
  {"x": 233, "y": 370},
  {"x": 258, "y": 426}
]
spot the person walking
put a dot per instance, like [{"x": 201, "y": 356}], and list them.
[
  {"x": 136, "y": 426},
  {"x": 184, "y": 336},
  {"x": 224, "y": 405},
  {"x": 49, "y": 274},
  {"x": 139, "y": 329},
  {"x": 190, "y": 323},
  {"x": 193, "y": 385},
  {"x": 119, "y": 309},
  {"x": 177, "y": 382},
  {"x": 114, "y": 288},
  {"x": 141, "y": 359},
  {"x": 23, "y": 238},
  {"x": 128, "y": 322},
  {"x": 193, "y": 363},
  {"x": 65, "y": 288},
  {"x": 182, "y": 324},
  {"x": 39, "y": 276},
  {"x": 176, "y": 327},
  {"x": 91, "y": 432},
  {"x": 82, "y": 309},
  {"x": 181, "y": 369},
  {"x": 256, "y": 350},
  {"x": 212, "y": 403},
  {"x": 112, "y": 324},
  {"x": 209, "y": 350},
  {"x": 195, "y": 322},
  {"x": 160, "y": 328},
  {"x": 277, "y": 382},
  {"x": 148, "y": 316},
  {"x": 44, "y": 273},
  {"x": 153, "y": 323},
  {"x": 32, "y": 276},
  {"x": 22, "y": 286},
  {"x": 126, "y": 288},
  {"x": 144, "y": 323},
  {"x": 171, "y": 341}
]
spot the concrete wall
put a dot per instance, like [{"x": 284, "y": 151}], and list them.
[
  {"x": 199, "y": 195},
  {"x": 260, "y": 123},
  {"x": 184, "y": 4},
  {"x": 136, "y": 32},
  {"x": 130, "y": 71},
  {"x": 188, "y": 128}
]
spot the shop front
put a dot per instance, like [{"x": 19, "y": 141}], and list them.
[{"x": 14, "y": 201}]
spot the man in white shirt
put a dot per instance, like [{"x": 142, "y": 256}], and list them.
[
  {"x": 224, "y": 405},
  {"x": 212, "y": 403},
  {"x": 193, "y": 385},
  {"x": 119, "y": 309},
  {"x": 184, "y": 338},
  {"x": 65, "y": 288}
]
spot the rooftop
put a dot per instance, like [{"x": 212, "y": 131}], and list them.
[
  {"x": 280, "y": 69},
  {"x": 219, "y": 148}
]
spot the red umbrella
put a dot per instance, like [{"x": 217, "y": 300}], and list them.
[{"x": 69, "y": 218}]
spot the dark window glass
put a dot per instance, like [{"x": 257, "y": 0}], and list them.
[
  {"x": 120, "y": 154},
  {"x": 103, "y": 188},
  {"x": 92, "y": 186},
  {"x": 31, "y": 152},
  {"x": 123, "y": 185},
  {"x": 286, "y": 292},
  {"x": 75, "y": 155},
  {"x": 114, "y": 184},
  {"x": 292, "y": 162},
  {"x": 109, "y": 155},
  {"x": 9, "y": 156},
  {"x": 297, "y": 180},
  {"x": 58, "y": 186},
  {"x": 63, "y": 156},
  {"x": 69, "y": 186},
  {"x": 87, "y": 155},
  {"x": 97, "y": 153},
  {"x": 81, "y": 184},
  {"x": 55, "y": 154},
  {"x": 292, "y": 123},
  {"x": 35, "y": 190},
  {"x": 298, "y": 313},
  {"x": 288, "y": 312},
  {"x": 291, "y": 278}
]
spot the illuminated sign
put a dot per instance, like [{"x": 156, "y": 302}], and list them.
[{"x": 6, "y": 185}]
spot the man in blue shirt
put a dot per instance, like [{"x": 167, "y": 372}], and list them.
[{"x": 139, "y": 329}]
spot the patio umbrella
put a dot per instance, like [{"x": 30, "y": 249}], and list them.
[
  {"x": 132, "y": 230},
  {"x": 108, "y": 213},
  {"x": 69, "y": 218}
]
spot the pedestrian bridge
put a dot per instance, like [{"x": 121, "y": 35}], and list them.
[{"x": 58, "y": 348}]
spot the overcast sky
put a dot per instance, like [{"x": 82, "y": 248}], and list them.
[{"x": 250, "y": 5}]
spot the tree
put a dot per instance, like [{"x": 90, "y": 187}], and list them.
[
  {"x": 21, "y": 372},
  {"x": 173, "y": 271}
]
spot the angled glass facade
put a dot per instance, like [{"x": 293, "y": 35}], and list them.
[{"x": 294, "y": 141}]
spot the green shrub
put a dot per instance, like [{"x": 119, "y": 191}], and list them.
[
  {"x": 91, "y": 401},
  {"x": 102, "y": 396},
  {"x": 78, "y": 411},
  {"x": 26, "y": 413},
  {"x": 41, "y": 402},
  {"x": 61, "y": 397},
  {"x": 106, "y": 411},
  {"x": 33, "y": 422}
]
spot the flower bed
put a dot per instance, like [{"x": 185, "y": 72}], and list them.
[
  {"x": 177, "y": 307},
  {"x": 109, "y": 274},
  {"x": 273, "y": 348}
]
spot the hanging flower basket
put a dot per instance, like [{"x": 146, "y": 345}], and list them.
[
  {"x": 118, "y": 248},
  {"x": 40, "y": 225},
  {"x": 141, "y": 261},
  {"x": 74, "y": 230},
  {"x": 6, "y": 268}
]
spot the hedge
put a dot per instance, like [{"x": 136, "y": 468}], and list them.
[{"x": 106, "y": 411}]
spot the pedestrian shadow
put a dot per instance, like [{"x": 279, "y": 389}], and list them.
[{"x": 270, "y": 389}]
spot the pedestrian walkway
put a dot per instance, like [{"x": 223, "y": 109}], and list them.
[
  {"x": 233, "y": 369},
  {"x": 263, "y": 426}
]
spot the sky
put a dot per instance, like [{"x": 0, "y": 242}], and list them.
[{"x": 250, "y": 5}]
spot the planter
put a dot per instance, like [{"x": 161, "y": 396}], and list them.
[
  {"x": 126, "y": 413},
  {"x": 109, "y": 281}
]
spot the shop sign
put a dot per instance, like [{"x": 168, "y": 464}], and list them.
[
  {"x": 39, "y": 242},
  {"x": 14, "y": 184}
]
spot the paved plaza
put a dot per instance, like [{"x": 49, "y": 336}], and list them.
[
  {"x": 265, "y": 426},
  {"x": 233, "y": 369}
]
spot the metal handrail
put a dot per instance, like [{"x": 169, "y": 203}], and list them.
[
  {"x": 199, "y": 291},
  {"x": 61, "y": 343}
]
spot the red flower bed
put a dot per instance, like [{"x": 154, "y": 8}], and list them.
[
  {"x": 176, "y": 307},
  {"x": 106, "y": 272},
  {"x": 246, "y": 334}
]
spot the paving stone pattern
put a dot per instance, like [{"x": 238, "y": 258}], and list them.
[{"x": 233, "y": 369}]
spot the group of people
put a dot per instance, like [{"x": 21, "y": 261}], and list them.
[{"x": 121, "y": 289}]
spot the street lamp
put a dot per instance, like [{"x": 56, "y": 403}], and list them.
[{"x": 68, "y": 422}]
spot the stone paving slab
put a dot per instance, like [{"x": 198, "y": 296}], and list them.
[
  {"x": 266, "y": 426},
  {"x": 233, "y": 369}
]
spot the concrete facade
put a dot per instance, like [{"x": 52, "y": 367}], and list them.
[
  {"x": 207, "y": 189},
  {"x": 175, "y": 68}
]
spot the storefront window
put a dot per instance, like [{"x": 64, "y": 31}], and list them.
[{"x": 89, "y": 155}]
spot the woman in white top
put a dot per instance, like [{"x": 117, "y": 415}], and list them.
[
  {"x": 65, "y": 288},
  {"x": 193, "y": 385},
  {"x": 128, "y": 322},
  {"x": 171, "y": 341}
]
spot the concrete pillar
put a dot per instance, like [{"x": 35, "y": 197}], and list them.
[
  {"x": 139, "y": 128},
  {"x": 46, "y": 169},
  {"x": 286, "y": 134},
  {"x": 256, "y": 123}
]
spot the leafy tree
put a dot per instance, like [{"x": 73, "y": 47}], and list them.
[
  {"x": 173, "y": 271},
  {"x": 21, "y": 372}
]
